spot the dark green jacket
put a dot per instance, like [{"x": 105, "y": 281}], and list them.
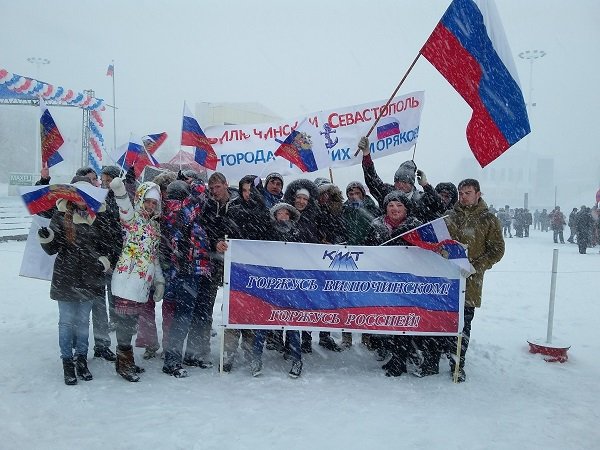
[{"x": 477, "y": 228}]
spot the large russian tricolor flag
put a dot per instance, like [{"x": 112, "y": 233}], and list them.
[
  {"x": 469, "y": 48},
  {"x": 193, "y": 136},
  {"x": 50, "y": 136}
]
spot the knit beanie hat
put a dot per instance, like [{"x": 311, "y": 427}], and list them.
[
  {"x": 111, "y": 171},
  {"x": 398, "y": 196},
  {"x": 178, "y": 190},
  {"x": 358, "y": 185},
  {"x": 302, "y": 192},
  {"x": 406, "y": 172},
  {"x": 273, "y": 175}
]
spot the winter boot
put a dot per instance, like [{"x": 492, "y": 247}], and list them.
[
  {"x": 177, "y": 371},
  {"x": 296, "y": 369},
  {"x": 104, "y": 353},
  {"x": 150, "y": 352},
  {"x": 328, "y": 343},
  {"x": 69, "y": 372},
  {"x": 462, "y": 376},
  {"x": 256, "y": 367},
  {"x": 395, "y": 367},
  {"x": 82, "y": 369},
  {"x": 125, "y": 365}
]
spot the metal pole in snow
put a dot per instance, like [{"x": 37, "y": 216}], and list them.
[{"x": 552, "y": 295}]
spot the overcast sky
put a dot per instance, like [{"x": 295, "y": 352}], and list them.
[{"x": 300, "y": 57}]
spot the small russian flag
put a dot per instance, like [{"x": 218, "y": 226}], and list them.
[
  {"x": 110, "y": 72},
  {"x": 435, "y": 236},
  {"x": 51, "y": 138},
  {"x": 387, "y": 127}
]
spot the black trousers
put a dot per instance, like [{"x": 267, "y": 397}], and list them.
[
  {"x": 126, "y": 328},
  {"x": 466, "y": 336}
]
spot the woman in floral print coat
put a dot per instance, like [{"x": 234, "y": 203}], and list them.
[{"x": 137, "y": 269}]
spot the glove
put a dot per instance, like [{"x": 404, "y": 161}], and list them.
[
  {"x": 181, "y": 176},
  {"x": 118, "y": 187},
  {"x": 105, "y": 263},
  {"x": 130, "y": 175},
  {"x": 159, "y": 291},
  {"x": 422, "y": 178},
  {"x": 363, "y": 145},
  {"x": 44, "y": 233}
]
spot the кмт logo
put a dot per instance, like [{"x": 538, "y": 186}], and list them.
[{"x": 342, "y": 260}]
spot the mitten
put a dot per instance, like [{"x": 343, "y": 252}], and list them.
[
  {"x": 159, "y": 291},
  {"x": 105, "y": 263},
  {"x": 118, "y": 187}
]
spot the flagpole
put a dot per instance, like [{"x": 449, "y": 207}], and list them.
[
  {"x": 180, "y": 149},
  {"x": 114, "y": 109},
  {"x": 391, "y": 97}
]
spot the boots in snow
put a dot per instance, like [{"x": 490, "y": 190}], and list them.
[
  {"x": 125, "y": 364},
  {"x": 69, "y": 372},
  {"x": 82, "y": 369}
]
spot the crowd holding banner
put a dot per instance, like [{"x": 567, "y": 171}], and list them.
[{"x": 333, "y": 287}]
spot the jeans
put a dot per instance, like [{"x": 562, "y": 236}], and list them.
[
  {"x": 292, "y": 338},
  {"x": 186, "y": 289},
  {"x": 198, "y": 341},
  {"x": 100, "y": 323},
  {"x": 558, "y": 234},
  {"x": 73, "y": 326}
]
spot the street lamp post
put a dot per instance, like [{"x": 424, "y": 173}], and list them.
[
  {"x": 39, "y": 62},
  {"x": 531, "y": 55}
]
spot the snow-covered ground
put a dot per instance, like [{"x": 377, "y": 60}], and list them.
[{"x": 512, "y": 399}]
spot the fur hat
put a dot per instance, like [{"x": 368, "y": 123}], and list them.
[
  {"x": 294, "y": 213},
  {"x": 178, "y": 190},
  {"x": 406, "y": 172},
  {"x": 401, "y": 197},
  {"x": 274, "y": 175}
]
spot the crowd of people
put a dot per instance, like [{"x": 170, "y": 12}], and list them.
[
  {"x": 583, "y": 223},
  {"x": 165, "y": 240}
]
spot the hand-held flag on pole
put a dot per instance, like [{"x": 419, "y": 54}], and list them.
[
  {"x": 435, "y": 236},
  {"x": 137, "y": 157},
  {"x": 51, "y": 138},
  {"x": 153, "y": 141},
  {"x": 304, "y": 147},
  {"x": 193, "y": 136},
  {"x": 469, "y": 48}
]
